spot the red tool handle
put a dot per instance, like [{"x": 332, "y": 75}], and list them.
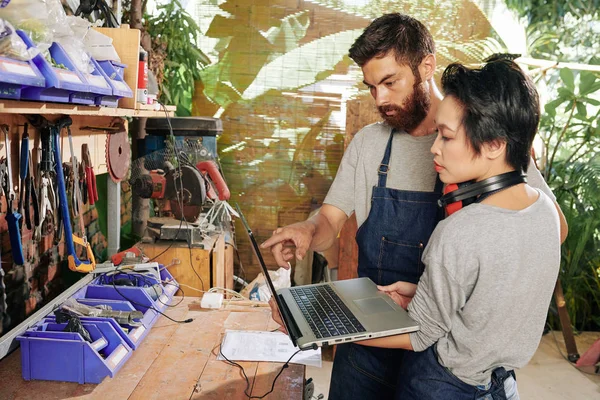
[
  {"x": 117, "y": 259},
  {"x": 94, "y": 185},
  {"x": 211, "y": 168},
  {"x": 90, "y": 189},
  {"x": 91, "y": 185}
]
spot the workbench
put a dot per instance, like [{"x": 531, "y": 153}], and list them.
[{"x": 175, "y": 361}]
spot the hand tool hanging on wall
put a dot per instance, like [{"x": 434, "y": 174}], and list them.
[
  {"x": 75, "y": 263},
  {"x": 23, "y": 166},
  {"x": 72, "y": 177},
  {"x": 82, "y": 182},
  {"x": 31, "y": 189},
  {"x": 48, "y": 202},
  {"x": 12, "y": 216},
  {"x": 4, "y": 318},
  {"x": 3, "y": 188},
  {"x": 90, "y": 176},
  {"x": 68, "y": 174},
  {"x": 46, "y": 208},
  {"x": 26, "y": 205}
]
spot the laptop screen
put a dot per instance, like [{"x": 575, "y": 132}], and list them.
[{"x": 263, "y": 266}]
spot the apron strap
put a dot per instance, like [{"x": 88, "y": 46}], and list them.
[{"x": 384, "y": 167}]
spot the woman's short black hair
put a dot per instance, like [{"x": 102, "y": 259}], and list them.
[
  {"x": 499, "y": 102},
  {"x": 408, "y": 38}
]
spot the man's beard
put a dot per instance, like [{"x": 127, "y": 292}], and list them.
[{"x": 411, "y": 114}]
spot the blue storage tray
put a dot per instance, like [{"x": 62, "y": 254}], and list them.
[
  {"x": 103, "y": 294},
  {"x": 113, "y": 72},
  {"x": 15, "y": 75},
  {"x": 160, "y": 298},
  {"x": 60, "y": 83},
  {"x": 98, "y": 85},
  {"x": 135, "y": 334},
  {"x": 169, "y": 283},
  {"x": 48, "y": 353},
  {"x": 132, "y": 335}
]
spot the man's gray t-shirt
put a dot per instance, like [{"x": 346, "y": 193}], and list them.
[
  {"x": 484, "y": 296},
  {"x": 411, "y": 168}
]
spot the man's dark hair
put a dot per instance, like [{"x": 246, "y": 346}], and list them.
[
  {"x": 408, "y": 38},
  {"x": 499, "y": 102}
]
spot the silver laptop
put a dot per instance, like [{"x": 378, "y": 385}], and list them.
[{"x": 338, "y": 312}]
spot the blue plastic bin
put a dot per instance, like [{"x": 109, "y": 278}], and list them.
[
  {"x": 160, "y": 289},
  {"x": 60, "y": 83},
  {"x": 48, "y": 353},
  {"x": 101, "y": 291},
  {"x": 15, "y": 75},
  {"x": 132, "y": 335},
  {"x": 113, "y": 72},
  {"x": 137, "y": 297},
  {"x": 98, "y": 87}
]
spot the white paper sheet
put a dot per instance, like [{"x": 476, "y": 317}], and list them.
[{"x": 265, "y": 346}]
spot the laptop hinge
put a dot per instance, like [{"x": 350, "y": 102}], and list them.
[{"x": 293, "y": 329}]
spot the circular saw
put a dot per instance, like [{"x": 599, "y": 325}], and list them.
[
  {"x": 184, "y": 187},
  {"x": 118, "y": 154}
]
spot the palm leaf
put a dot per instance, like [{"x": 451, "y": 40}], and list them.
[
  {"x": 285, "y": 37},
  {"x": 471, "y": 51},
  {"x": 311, "y": 63}
]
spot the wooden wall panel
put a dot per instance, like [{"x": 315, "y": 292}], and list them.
[{"x": 127, "y": 44}]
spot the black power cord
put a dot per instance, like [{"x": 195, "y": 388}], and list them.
[
  {"x": 287, "y": 364},
  {"x": 146, "y": 280},
  {"x": 103, "y": 275},
  {"x": 179, "y": 199},
  {"x": 117, "y": 269}
]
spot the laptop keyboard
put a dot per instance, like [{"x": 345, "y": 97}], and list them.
[{"x": 325, "y": 312}]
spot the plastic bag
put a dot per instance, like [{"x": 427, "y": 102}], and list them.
[
  {"x": 45, "y": 21},
  {"x": 75, "y": 308},
  {"x": 97, "y": 44},
  {"x": 11, "y": 44},
  {"x": 30, "y": 16},
  {"x": 257, "y": 289},
  {"x": 72, "y": 40},
  {"x": 75, "y": 325}
]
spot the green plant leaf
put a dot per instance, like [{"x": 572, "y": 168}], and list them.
[
  {"x": 586, "y": 83},
  {"x": 310, "y": 61},
  {"x": 568, "y": 79},
  {"x": 593, "y": 102},
  {"x": 551, "y": 107},
  {"x": 581, "y": 110}
]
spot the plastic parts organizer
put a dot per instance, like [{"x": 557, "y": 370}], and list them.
[{"x": 49, "y": 353}]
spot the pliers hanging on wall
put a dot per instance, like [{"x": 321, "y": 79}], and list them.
[
  {"x": 89, "y": 174},
  {"x": 32, "y": 191}
]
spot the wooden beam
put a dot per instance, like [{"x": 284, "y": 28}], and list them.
[{"x": 32, "y": 107}]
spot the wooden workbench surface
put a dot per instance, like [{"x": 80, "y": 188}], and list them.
[{"x": 175, "y": 361}]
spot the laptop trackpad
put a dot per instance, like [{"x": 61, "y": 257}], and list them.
[{"x": 373, "y": 305}]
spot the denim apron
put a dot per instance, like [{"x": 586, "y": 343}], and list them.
[
  {"x": 390, "y": 244},
  {"x": 422, "y": 377}
]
